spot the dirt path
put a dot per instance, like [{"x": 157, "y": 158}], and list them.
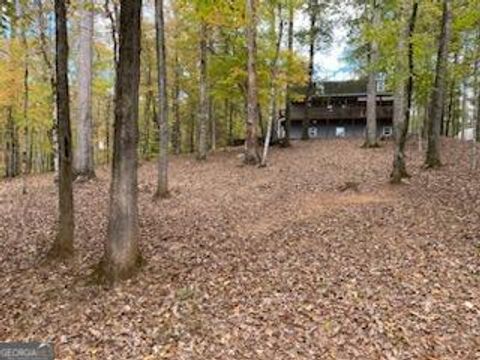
[{"x": 247, "y": 263}]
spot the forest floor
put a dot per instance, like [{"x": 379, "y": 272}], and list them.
[{"x": 249, "y": 263}]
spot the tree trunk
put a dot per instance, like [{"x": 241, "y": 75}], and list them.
[
  {"x": 122, "y": 256},
  {"x": 252, "y": 156},
  {"x": 437, "y": 100},
  {"x": 371, "y": 139},
  {"x": 162, "y": 181},
  {"x": 311, "y": 63},
  {"x": 401, "y": 111},
  {"x": 83, "y": 156},
  {"x": 63, "y": 245},
  {"x": 203, "y": 116},
  {"x": 176, "y": 133},
  {"x": 213, "y": 124},
  {"x": 273, "y": 86},
  {"x": 288, "y": 122}
]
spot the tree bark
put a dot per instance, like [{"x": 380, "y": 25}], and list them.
[
  {"x": 437, "y": 101},
  {"x": 288, "y": 122},
  {"x": 252, "y": 156},
  {"x": 121, "y": 254},
  {"x": 401, "y": 112},
  {"x": 83, "y": 156},
  {"x": 176, "y": 133},
  {"x": 202, "y": 146},
  {"x": 273, "y": 86},
  {"x": 371, "y": 139},
  {"x": 63, "y": 245},
  {"x": 311, "y": 63},
  {"x": 162, "y": 181}
]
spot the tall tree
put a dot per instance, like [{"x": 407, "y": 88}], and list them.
[
  {"x": 312, "y": 10},
  {"x": 273, "y": 79},
  {"x": 162, "y": 181},
  {"x": 63, "y": 245},
  {"x": 122, "y": 255},
  {"x": 401, "y": 111},
  {"x": 202, "y": 146},
  {"x": 176, "y": 131},
  {"x": 438, "y": 93},
  {"x": 252, "y": 156},
  {"x": 288, "y": 122},
  {"x": 83, "y": 156},
  {"x": 371, "y": 138}
]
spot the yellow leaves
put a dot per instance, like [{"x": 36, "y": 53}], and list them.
[{"x": 11, "y": 72}]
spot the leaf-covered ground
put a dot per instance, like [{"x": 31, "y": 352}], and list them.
[{"x": 248, "y": 263}]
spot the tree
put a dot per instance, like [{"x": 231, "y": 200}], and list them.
[
  {"x": 312, "y": 10},
  {"x": 273, "y": 85},
  {"x": 121, "y": 254},
  {"x": 401, "y": 111},
  {"x": 63, "y": 245},
  {"x": 203, "y": 115},
  {"x": 371, "y": 139},
  {"x": 438, "y": 92},
  {"x": 162, "y": 183},
  {"x": 286, "y": 141},
  {"x": 83, "y": 156},
  {"x": 252, "y": 156}
]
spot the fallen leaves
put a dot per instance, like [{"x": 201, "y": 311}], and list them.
[{"x": 245, "y": 263}]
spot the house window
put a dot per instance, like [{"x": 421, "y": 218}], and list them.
[
  {"x": 387, "y": 131},
  {"x": 312, "y": 132},
  {"x": 340, "y": 131}
]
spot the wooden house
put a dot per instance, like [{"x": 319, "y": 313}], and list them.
[{"x": 338, "y": 109}]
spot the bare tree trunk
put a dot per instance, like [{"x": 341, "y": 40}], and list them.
[
  {"x": 176, "y": 133},
  {"x": 311, "y": 62},
  {"x": 288, "y": 122},
  {"x": 464, "y": 109},
  {"x": 203, "y": 116},
  {"x": 437, "y": 100},
  {"x": 476, "y": 116},
  {"x": 213, "y": 124},
  {"x": 26, "y": 91},
  {"x": 273, "y": 86},
  {"x": 12, "y": 151},
  {"x": 371, "y": 140},
  {"x": 252, "y": 156},
  {"x": 63, "y": 245},
  {"x": 162, "y": 181},
  {"x": 83, "y": 156},
  {"x": 401, "y": 113},
  {"x": 122, "y": 256},
  {"x": 399, "y": 168}
]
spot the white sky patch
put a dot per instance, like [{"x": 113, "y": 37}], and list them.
[{"x": 330, "y": 64}]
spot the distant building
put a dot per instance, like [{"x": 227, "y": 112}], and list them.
[{"x": 339, "y": 109}]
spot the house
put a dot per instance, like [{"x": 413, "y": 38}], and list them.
[{"x": 338, "y": 109}]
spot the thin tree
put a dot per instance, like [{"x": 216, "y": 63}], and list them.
[
  {"x": 83, "y": 156},
  {"x": 438, "y": 94},
  {"x": 252, "y": 156},
  {"x": 162, "y": 115},
  {"x": 121, "y": 254},
  {"x": 401, "y": 112},
  {"x": 371, "y": 135},
  {"x": 312, "y": 38},
  {"x": 288, "y": 120},
  {"x": 202, "y": 145},
  {"x": 176, "y": 131},
  {"x": 63, "y": 245},
  {"x": 273, "y": 86}
]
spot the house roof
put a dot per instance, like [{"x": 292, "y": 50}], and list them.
[{"x": 348, "y": 88}]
